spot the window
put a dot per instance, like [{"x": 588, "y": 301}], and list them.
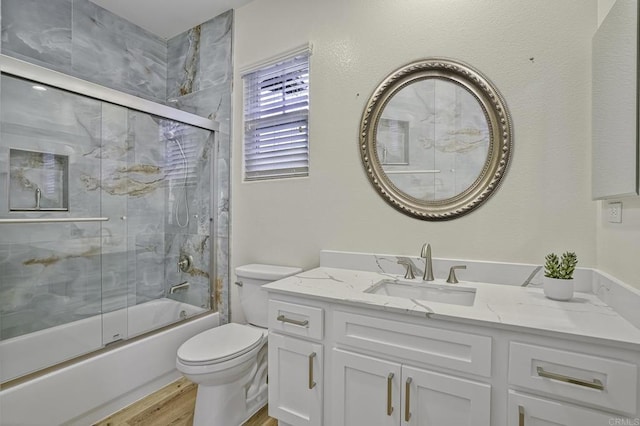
[{"x": 276, "y": 116}]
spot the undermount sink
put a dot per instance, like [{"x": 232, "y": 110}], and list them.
[{"x": 464, "y": 296}]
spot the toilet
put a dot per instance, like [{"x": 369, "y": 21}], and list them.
[{"x": 229, "y": 363}]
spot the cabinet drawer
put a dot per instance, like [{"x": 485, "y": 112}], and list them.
[
  {"x": 470, "y": 353},
  {"x": 592, "y": 380},
  {"x": 296, "y": 319},
  {"x": 525, "y": 410}
]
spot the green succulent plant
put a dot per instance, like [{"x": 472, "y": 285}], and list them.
[{"x": 560, "y": 268}]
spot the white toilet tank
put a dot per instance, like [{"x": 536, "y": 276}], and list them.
[{"x": 253, "y": 299}]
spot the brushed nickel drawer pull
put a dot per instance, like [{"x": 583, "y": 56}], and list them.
[
  {"x": 595, "y": 384},
  {"x": 282, "y": 318},
  {"x": 389, "y": 391},
  {"x": 312, "y": 384},
  {"x": 407, "y": 407},
  {"x": 520, "y": 415}
]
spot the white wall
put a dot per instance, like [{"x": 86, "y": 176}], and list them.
[{"x": 536, "y": 52}]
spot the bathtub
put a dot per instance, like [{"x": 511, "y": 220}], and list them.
[{"x": 93, "y": 388}]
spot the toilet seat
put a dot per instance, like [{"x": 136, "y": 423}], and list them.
[{"x": 220, "y": 344}]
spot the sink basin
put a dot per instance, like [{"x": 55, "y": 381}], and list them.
[{"x": 464, "y": 296}]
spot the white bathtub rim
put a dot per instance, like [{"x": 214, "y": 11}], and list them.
[{"x": 91, "y": 389}]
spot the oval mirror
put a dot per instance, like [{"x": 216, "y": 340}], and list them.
[{"x": 436, "y": 139}]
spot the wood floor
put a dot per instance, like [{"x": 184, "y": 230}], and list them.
[{"x": 171, "y": 406}]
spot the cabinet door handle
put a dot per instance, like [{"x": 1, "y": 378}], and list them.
[
  {"x": 520, "y": 415},
  {"x": 282, "y": 318},
  {"x": 389, "y": 392},
  {"x": 595, "y": 384},
  {"x": 407, "y": 403},
  {"x": 312, "y": 384}
]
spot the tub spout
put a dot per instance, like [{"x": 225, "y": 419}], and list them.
[{"x": 177, "y": 287}]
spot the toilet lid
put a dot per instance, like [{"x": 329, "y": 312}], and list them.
[{"x": 220, "y": 344}]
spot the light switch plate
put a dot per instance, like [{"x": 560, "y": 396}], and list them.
[{"x": 614, "y": 212}]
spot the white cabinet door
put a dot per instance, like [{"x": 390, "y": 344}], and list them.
[
  {"x": 366, "y": 391},
  {"x": 526, "y": 410},
  {"x": 373, "y": 392},
  {"x": 435, "y": 399},
  {"x": 295, "y": 380}
]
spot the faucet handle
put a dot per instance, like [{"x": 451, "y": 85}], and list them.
[
  {"x": 409, "y": 274},
  {"x": 452, "y": 274}
]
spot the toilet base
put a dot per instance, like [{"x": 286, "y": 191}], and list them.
[
  {"x": 226, "y": 405},
  {"x": 233, "y": 403}
]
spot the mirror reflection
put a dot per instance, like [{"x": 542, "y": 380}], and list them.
[{"x": 433, "y": 139}]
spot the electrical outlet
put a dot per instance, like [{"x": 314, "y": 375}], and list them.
[{"x": 614, "y": 214}]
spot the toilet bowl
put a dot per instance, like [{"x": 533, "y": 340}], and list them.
[{"x": 229, "y": 363}]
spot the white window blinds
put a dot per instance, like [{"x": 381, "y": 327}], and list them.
[{"x": 276, "y": 115}]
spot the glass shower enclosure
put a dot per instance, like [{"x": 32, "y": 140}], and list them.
[{"x": 105, "y": 217}]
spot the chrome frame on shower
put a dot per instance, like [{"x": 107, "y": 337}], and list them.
[
  {"x": 26, "y": 70},
  {"x": 38, "y": 74}
]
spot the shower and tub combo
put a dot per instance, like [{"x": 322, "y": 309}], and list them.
[{"x": 106, "y": 235}]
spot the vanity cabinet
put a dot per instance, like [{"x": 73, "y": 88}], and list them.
[
  {"x": 372, "y": 367},
  {"x": 296, "y": 365},
  {"x": 377, "y": 392}
]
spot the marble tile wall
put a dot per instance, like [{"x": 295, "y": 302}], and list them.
[
  {"x": 199, "y": 80},
  {"x": 123, "y": 164},
  {"x": 193, "y": 71},
  {"x": 81, "y": 39}
]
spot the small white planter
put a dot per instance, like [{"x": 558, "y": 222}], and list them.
[{"x": 557, "y": 289}]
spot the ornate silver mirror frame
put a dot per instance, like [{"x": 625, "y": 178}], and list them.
[{"x": 497, "y": 140}]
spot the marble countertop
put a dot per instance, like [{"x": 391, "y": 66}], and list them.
[{"x": 584, "y": 316}]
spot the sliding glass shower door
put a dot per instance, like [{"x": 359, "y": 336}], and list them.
[{"x": 105, "y": 224}]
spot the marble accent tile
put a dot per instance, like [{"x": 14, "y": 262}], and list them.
[
  {"x": 113, "y": 52},
  {"x": 40, "y": 30},
  {"x": 183, "y": 53},
  {"x": 200, "y": 58},
  {"x": 215, "y": 51},
  {"x": 222, "y": 281},
  {"x": 213, "y": 103}
]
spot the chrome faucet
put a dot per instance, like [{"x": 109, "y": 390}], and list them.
[
  {"x": 428, "y": 263},
  {"x": 177, "y": 287},
  {"x": 184, "y": 263}
]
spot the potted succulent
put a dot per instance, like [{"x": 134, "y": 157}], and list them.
[{"x": 558, "y": 275}]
